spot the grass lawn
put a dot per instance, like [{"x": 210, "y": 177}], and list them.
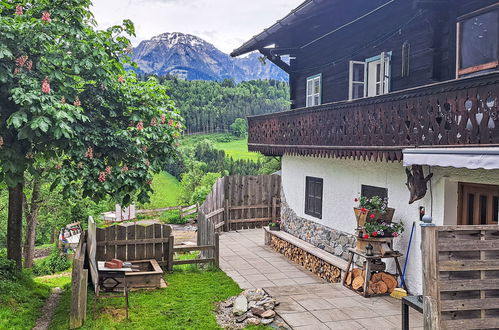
[
  {"x": 21, "y": 301},
  {"x": 187, "y": 303},
  {"x": 236, "y": 148},
  {"x": 166, "y": 190}
]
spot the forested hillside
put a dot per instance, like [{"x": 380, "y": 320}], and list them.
[{"x": 210, "y": 106}]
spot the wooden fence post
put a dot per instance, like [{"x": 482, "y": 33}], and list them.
[
  {"x": 431, "y": 309},
  {"x": 226, "y": 216},
  {"x": 170, "y": 253},
  {"x": 274, "y": 208},
  {"x": 217, "y": 250}
]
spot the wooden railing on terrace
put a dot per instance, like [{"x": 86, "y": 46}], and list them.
[{"x": 461, "y": 112}]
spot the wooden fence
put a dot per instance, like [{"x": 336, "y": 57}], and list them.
[
  {"x": 461, "y": 277},
  {"x": 132, "y": 242},
  {"x": 79, "y": 278},
  {"x": 241, "y": 202}
]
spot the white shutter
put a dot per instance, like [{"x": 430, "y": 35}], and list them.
[
  {"x": 357, "y": 80},
  {"x": 386, "y": 72}
]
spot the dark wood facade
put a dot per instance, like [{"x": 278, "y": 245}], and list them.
[{"x": 322, "y": 37}]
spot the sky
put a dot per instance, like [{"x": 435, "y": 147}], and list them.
[{"x": 225, "y": 23}]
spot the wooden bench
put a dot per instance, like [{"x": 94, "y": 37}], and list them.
[{"x": 307, "y": 247}]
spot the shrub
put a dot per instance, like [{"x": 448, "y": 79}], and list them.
[
  {"x": 239, "y": 127},
  {"x": 8, "y": 269},
  {"x": 172, "y": 217},
  {"x": 55, "y": 262}
]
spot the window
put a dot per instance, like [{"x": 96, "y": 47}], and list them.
[
  {"x": 357, "y": 80},
  {"x": 313, "y": 197},
  {"x": 477, "y": 42},
  {"x": 314, "y": 90},
  {"x": 371, "y": 191},
  {"x": 371, "y": 77}
]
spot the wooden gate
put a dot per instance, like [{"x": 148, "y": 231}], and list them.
[{"x": 461, "y": 277}]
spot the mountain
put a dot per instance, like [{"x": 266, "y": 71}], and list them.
[{"x": 190, "y": 57}]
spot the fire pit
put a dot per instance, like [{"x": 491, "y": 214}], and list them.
[{"x": 148, "y": 276}]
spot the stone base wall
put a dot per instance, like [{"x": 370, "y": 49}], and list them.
[{"x": 328, "y": 239}]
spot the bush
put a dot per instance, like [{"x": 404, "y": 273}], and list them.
[
  {"x": 172, "y": 217},
  {"x": 8, "y": 269},
  {"x": 239, "y": 127},
  {"x": 55, "y": 262}
]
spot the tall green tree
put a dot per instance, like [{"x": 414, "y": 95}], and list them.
[{"x": 67, "y": 104}]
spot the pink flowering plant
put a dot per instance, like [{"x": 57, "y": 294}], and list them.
[{"x": 50, "y": 52}]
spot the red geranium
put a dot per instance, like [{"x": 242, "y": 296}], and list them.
[
  {"x": 372, "y": 216},
  {"x": 374, "y": 234},
  {"x": 363, "y": 210},
  {"x": 365, "y": 236}
]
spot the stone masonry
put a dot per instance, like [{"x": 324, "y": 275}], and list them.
[{"x": 328, "y": 239}]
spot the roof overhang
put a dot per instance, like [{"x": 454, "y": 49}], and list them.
[{"x": 470, "y": 158}]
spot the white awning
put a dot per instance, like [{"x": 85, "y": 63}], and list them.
[{"x": 472, "y": 158}]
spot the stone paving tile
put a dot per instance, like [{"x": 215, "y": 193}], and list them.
[
  {"x": 343, "y": 302},
  {"x": 345, "y": 325},
  {"x": 284, "y": 281},
  {"x": 306, "y": 301},
  {"x": 314, "y": 304},
  {"x": 300, "y": 319},
  {"x": 313, "y": 327},
  {"x": 249, "y": 271},
  {"x": 359, "y": 312},
  {"x": 277, "y": 276},
  {"x": 330, "y": 315},
  {"x": 376, "y": 323}
]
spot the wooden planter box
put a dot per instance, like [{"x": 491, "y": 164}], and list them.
[
  {"x": 363, "y": 217},
  {"x": 377, "y": 244},
  {"x": 150, "y": 275}
]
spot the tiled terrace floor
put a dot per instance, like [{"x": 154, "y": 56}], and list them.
[{"x": 306, "y": 301}]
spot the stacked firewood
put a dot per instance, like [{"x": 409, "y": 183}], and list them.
[
  {"x": 380, "y": 283},
  {"x": 316, "y": 265}
]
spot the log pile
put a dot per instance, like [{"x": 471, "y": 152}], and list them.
[
  {"x": 380, "y": 283},
  {"x": 317, "y": 266}
]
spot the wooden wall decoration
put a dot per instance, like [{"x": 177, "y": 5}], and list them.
[{"x": 417, "y": 182}]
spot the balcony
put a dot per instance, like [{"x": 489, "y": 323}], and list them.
[{"x": 460, "y": 112}]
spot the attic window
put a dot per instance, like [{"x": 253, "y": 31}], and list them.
[{"x": 477, "y": 42}]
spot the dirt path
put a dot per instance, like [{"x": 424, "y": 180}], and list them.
[{"x": 48, "y": 310}]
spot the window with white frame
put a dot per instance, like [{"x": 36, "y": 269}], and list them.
[
  {"x": 478, "y": 35},
  {"x": 370, "y": 77},
  {"x": 314, "y": 90}
]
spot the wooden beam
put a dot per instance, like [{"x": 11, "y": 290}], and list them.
[{"x": 275, "y": 59}]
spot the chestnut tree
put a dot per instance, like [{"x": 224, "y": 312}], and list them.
[{"x": 67, "y": 105}]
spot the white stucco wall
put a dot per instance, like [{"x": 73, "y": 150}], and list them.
[{"x": 342, "y": 183}]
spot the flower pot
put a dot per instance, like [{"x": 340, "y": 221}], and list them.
[
  {"x": 362, "y": 217},
  {"x": 275, "y": 227},
  {"x": 387, "y": 216}
]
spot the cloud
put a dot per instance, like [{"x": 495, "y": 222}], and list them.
[{"x": 224, "y": 23}]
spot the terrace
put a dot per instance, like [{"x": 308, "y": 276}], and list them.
[{"x": 461, "y": 112}]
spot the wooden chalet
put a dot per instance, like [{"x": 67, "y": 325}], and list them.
[{"x": 384, "y": 93}]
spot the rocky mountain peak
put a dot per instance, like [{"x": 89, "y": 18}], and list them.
[{"x": 190, "y": 57}]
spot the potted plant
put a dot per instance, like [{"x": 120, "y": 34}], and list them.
[
  {"x": 275, "y": 225},
  {"x": 372, "y": 209},
  {"x": 377, "y": 229}
]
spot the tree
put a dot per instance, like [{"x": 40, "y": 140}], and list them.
[
  {"x": 67, "y": 103},
  {"x": 239, "y": 127}
]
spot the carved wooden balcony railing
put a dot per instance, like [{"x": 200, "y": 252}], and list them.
[{"x": 461, "y": 112}]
